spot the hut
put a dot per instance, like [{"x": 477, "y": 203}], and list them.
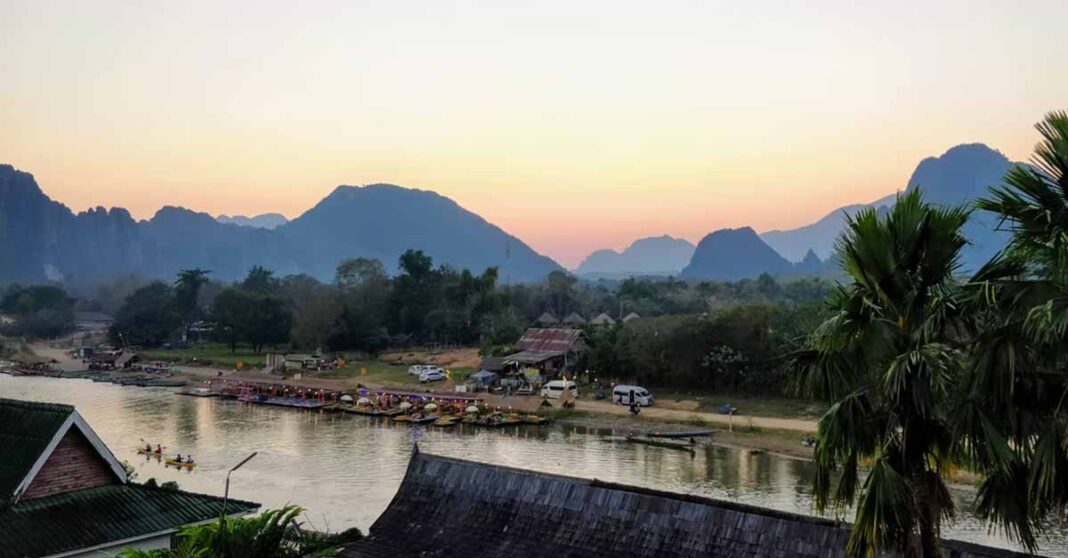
[
  {"x": 63, "y": 492},
  {"x": 454, "y": 507},
  {"x": 484, "y": 378},
  {"x": 547, "y": 319},
  {"x": 574, "y": 320},
  {"x": 603, "y": 320},
  {"x": 630, "y": 317}
]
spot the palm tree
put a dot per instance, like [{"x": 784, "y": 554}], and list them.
[
  {"x": 1014, "y": 415},
  {"x": 889, "y": 359},
  {"x": 187, "y": 291}
]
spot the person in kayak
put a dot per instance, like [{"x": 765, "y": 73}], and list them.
[
  {"x": 159, "y": 449},
  {"x": 148, "y": 448},
  {"x": 179, "y": 458}
]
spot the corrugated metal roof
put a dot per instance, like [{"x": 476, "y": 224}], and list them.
[
  {"x": 532, "y": 357},
  {"x": 95, "y": 516},
  {"x": 451, "y": 507},
  {"x": 550, "y": 339},
  {"x": 26, "y": 429}
]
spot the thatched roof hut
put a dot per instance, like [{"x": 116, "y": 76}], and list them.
[
  {"x": 631, "y": 316},
  {"x": 602, "y": 319},
  {"x": 451, "y": 507},
  {"x": 574, "y": 319},
  {"x": 547, "y": 319}
]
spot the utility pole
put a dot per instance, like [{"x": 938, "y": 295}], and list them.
[{"x": 226, "y": 491}]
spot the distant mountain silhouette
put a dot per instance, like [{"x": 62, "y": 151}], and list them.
[
  {"x": 383, "y": 220},
  {"x": 41, "y": 239},
  {"x": 657, "y": 255},
  {"x": 732, "y": 254},
  {"x": 818, "y": 237},
  {"x": 264, "y": 221},
  {"x": 959, "y": 176}
]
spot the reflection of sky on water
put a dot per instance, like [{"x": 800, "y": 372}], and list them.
[{"x": 345, "y": 469}]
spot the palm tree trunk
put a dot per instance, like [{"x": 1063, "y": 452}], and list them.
[{"x": 928, "y": 515}]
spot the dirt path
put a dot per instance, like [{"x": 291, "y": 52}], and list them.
[{"x": 676, "y": 415}]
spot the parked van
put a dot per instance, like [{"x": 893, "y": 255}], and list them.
[
  {"x": 555, "y": 389},
  {"x": 625, "y": 395}
]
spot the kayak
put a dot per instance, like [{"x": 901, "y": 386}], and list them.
[
  {"x": 533, "y": 419},
  {"x": 423, "y": 420},
  {"x": 142, "y": 451},
  {"x": 176, "y": 463}
]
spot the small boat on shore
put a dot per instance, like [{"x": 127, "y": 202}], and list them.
[{"x": 198, "y": 392}]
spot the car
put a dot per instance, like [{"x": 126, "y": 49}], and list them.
[
  {"x": 417, "y": 369},
  {"x": 555, "y": 389},
  {"x": 431, "y": 374},
  {"x": 625, "y": 395}
]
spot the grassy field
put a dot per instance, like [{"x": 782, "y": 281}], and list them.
[{"x": 217, "y": 354}]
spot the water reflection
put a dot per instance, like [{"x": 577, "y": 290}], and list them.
[{"x": 344, "y": 469}]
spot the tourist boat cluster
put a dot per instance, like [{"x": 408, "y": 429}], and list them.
[{"x": 402, "y": 407}]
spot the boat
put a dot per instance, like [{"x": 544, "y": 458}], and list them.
[
  {"x": 142, "y": 451},
  {"x": 451, "y": 420},
  {"x": 402, "y": 418},
  {"x": 198, "y": 392},
  {"x": 683, "y": 434},
  {"x": 651, "y": 442},
  {"x": 426, "y": 419},
  {"x": 534, "y": 419},
  {"x": 180, "y": 464}
]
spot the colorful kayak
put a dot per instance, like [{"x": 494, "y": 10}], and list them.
[
  {"x": 142, "y": 451},
  {"x": 176, "y": 463}
]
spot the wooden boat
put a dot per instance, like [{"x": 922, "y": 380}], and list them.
[
  {"x": 426, "y": 419},
  {"x": 174, "y": 462},
  {"x": 198, "y": 392},
  {"x": 651, "y": 442},
  {"x": 684, "y": 434},
  {"x": 402, "y": 418},
  {"x": 534, "y": 419},
  {"x": 451, "y": 420}
]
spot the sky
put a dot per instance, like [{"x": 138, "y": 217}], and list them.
[{"x": 574, "y": 125}]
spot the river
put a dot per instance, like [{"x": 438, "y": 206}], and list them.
[{"x": 344, "y": 469}]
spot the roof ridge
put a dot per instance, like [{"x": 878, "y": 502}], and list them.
[{"x": 43, "y": 405}]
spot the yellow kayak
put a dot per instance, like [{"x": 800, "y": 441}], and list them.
[{"x": 176, "y": 463}]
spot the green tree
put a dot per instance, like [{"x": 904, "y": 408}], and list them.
[
  {"x": 147, "y": 317},
  {"x": 39, "y": 310},
  {"x": 187, "y": 292},
  {"x": 260, "y": 280},
  {"x": 1014, "y": 418},
  {"x": 888, "y": 361}
]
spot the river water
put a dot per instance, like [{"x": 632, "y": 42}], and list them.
[{"x": 344, "y": 469}]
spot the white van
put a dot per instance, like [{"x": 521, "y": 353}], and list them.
[
  {"x": 622, "y": 395},
  {"x": 555, "y": 389}
]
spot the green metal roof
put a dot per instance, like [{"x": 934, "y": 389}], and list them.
[
  {"x": 26, "y": 428},
  {"x": 95, "y": 516}
]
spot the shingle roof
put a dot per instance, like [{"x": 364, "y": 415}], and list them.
[
  {"x": 451, "y": 507},
  {"x": 26, "y": 429},
  {"x": 95, "y": 516}
]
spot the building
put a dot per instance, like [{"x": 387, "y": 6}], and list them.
[
  {"x": 602, "y": 320},
  {"x": 630, "y": 317},
  {"x": 574, "y": 320},
  {"x": 549, "y": 350},
  {"x": 452, "y": 507},
  {"x": 547, "y": 319},
  {"x": 63, "y": 493}
]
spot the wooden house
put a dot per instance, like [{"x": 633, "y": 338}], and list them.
[
  {"x": 602, "y": 320},
  {"x": 63, "y": 492},
  {"x": 549, "y": 350},
  {"x": 453, "y": 507}
]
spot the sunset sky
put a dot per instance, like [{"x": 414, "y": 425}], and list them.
[{"x": 574, "y": 125}]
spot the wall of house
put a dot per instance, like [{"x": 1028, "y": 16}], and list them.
[{"x": 74, "y": 465}]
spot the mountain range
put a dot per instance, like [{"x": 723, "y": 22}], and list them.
[
  {"x": 656, "y": 255},
  {"x": 41, "y": 239},
  {"x": 959, "y": 176},
  {"x": 264, "y": 221}
]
